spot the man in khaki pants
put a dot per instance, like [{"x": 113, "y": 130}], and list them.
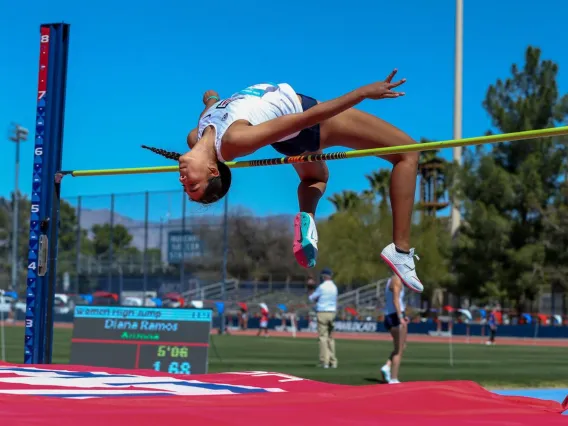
[{"x": 325, "y": 297}]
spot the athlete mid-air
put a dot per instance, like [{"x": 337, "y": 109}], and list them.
[{"x": 295, "y": 124}]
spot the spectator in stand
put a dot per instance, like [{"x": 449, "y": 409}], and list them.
[
  {"x": 492, "y": 322},
  {"x": 396, "y": 323},
  {"x": 325, "y": 298},
  {"x": 311, "y": 284}
]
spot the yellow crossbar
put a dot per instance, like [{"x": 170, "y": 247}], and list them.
[{"x": 428, "y": 146}]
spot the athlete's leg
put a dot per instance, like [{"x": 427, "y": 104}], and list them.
[
  {"x": 398, "y": 337},
  {"x": 313, "y": 181},
  {"x": 358, "y": 130},
  {"x": 386, "y": 369}
]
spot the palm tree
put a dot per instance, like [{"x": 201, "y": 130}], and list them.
[
  {"x": 379, "y": 181},
  {"x": 345, "y": 200},
  {"x": 427, "y": 156},
  {"x": 433, "y": 185}
]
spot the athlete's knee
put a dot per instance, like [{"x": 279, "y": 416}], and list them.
[
  {"x": 396, "y": 354},
  {"x": 312, "y": 173},
  {"x": 312, "y": 189},
  {"x": 410, "y": 157},
  {"x": 320, "y": 184}
]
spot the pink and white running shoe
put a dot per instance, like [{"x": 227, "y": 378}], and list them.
[{"x": 305, "y": 240}]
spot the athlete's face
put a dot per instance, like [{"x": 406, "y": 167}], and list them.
[{"x": 194, "y": 174}]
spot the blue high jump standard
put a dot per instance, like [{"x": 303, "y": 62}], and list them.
[{"x": 44, "y": 217}]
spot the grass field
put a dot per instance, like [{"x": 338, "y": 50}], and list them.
[{"x": 359, "y": 361}]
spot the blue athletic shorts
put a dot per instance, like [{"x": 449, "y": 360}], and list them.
[
  {"x": 307, "y": 141},
  {"x": 391, "y": 320}
]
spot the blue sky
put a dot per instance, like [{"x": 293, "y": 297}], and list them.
[{"x": 137, "y": 71}]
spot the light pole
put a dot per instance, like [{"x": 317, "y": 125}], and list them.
[
  {"x": 458, "y": 100},
  {"x": 18, "y": 135}
]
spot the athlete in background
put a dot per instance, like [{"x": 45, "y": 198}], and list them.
[
  {"x": 396, "y": 323},
  {"x": 492, "y": 322},
  {"x": 294, "y": 124}
]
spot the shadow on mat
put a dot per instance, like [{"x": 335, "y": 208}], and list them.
[{"x": 374, "y": 380}]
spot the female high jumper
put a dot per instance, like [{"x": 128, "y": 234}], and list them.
[{"x": 295, "y": 124}]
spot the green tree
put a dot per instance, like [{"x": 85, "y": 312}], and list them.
[
  {"x": 346, "y": 200},
  {"x": 6, "y": 235},
  {"x": 379, "y": 183},
  {"x": 5, "y": 244},
  {"x": 353, "y": 242},
  {"x": 506, "y": 191},
  {"x": 426, "y": 156},
  {"x": 68, "y": 229},
  {"x": 433, "y": 245},
  {"x": 555, "y": 240},
  {"x": 362, "y": 225},
  {"x": 121, "y": 239},
  {"x": 67, "y": 240},
  {"x": 259, "y": 248}
]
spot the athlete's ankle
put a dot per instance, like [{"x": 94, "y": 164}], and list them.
[
  {"x": 402, "y": 244},
  {"x": 402, "y": 250},
  {"x": 312, "y": 215}
]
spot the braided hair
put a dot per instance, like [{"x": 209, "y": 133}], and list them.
[
  {"x": 217, "y": 187},
  {"x": 170, "y": 155}
]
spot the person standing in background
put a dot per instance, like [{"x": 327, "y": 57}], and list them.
[
  {"x": 492, "y": 322},
  {"x": 325, "y": 297},
  {"x": 396, "y": 324},
  {"x": 263, "y": 320},
  {"x": 243, "y": 320}
]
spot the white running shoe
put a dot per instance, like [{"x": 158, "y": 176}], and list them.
[
  {"x": 305, "y": 240},
  {"x": 386, "y": 373},
  {"x": 402, "y": 264},
  {"x": 394, "y": 382}
]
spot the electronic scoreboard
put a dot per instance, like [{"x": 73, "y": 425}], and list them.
[{"x": 169, "y": 340}]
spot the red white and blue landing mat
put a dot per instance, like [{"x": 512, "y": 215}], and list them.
[{"x": 86, "y": 396}]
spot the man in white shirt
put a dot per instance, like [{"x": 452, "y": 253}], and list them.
[{"x": 325, "y": 297}]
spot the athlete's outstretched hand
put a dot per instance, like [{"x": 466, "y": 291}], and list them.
[
  {"x": 207, "y": 95},
  {"x": 383, "y": 89}
]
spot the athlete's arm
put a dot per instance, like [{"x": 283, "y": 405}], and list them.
[
  {"x": 209, "y": 99},
  {"x": 244, "y": 140},
  {"x": 192, "y": 138}
]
